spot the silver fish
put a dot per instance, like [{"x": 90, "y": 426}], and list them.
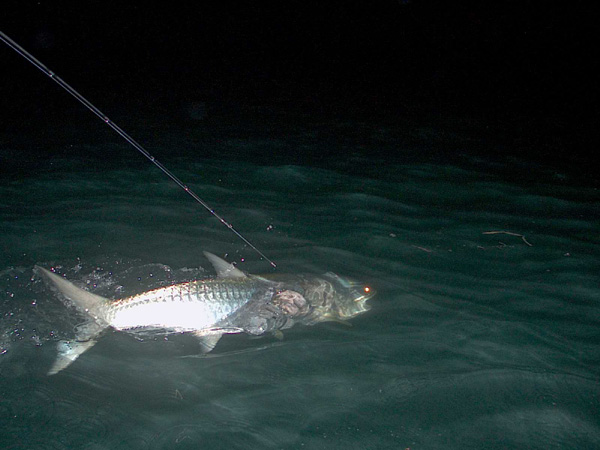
[{"x": 234, "y": 302}]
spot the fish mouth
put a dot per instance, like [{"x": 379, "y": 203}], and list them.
[
  {"x": 366, "y": 293},
  {"x": 362, "y": 296},
  {"x": 361, "y": 302},
  {"x": 360, "y": 292},
  {"x": 353, "y": 296}
]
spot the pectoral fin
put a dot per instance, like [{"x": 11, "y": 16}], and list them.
[
  {"x": 207, "y": 343},
  {"x": 209, "y": 337}
]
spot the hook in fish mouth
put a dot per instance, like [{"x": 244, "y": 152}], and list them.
[
  {"x": 364, "y": 293},
  {"x": 352, "y": 296}
]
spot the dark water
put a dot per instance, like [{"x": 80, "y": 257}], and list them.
[{"x": 475, "y": 339}]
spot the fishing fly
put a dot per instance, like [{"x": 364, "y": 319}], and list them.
[{"x": 85, "y": 102}]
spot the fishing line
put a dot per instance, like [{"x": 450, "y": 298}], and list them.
[{"x": 29, "y": 57}]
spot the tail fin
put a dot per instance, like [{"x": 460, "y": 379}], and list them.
[
  {"x": 91, "y": 305},
  {"x": 68, "y": 352}
]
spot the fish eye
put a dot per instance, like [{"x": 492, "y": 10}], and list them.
[{"x": 367, "y": 289}]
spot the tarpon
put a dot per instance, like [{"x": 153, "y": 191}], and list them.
[{"x": 233, "y": 302}]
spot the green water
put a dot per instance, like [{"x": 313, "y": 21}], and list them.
[{"x": 484, "y": 332}]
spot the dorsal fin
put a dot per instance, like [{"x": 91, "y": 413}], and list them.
[{"x": 223, "y": 268}]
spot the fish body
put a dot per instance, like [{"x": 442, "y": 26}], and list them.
[
  {"x": 183, "y": 307},
  {"x": 234, "y": 302}
]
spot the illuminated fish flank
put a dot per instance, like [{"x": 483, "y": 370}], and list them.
[{"x": 234, "y": 302}]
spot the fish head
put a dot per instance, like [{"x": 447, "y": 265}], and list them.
[{"x": 336, "y": 298}]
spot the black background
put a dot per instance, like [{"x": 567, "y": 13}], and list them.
[{"x": 533, "y": 64}]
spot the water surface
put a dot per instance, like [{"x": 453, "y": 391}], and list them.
[{"x": 484, "y": 332}]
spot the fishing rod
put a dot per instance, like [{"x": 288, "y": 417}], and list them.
[{"x": 85, "y": 102}]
